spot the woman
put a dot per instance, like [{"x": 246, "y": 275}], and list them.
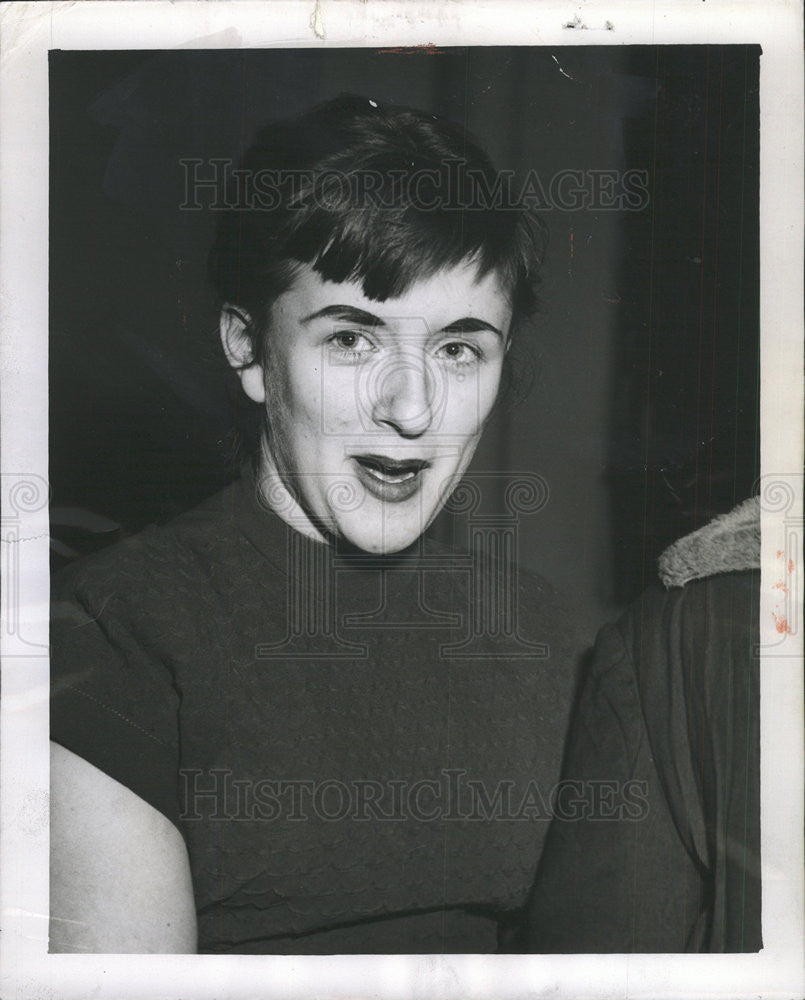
[{"x": 286, "y": 722}]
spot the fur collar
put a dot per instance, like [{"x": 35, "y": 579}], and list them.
[{"x": 728, "y": 544}]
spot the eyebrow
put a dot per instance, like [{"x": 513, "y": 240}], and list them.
[
  {"x": 351, "y": 314},
  {"x": 470, "y": 324}
]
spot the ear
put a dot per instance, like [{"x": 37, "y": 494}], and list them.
[{"x": 233, "y": 326}]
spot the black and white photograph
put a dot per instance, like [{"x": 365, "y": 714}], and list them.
[{"x": 409, "y": 408}]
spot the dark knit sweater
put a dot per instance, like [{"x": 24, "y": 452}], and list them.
[{"x": 358, "y": 752}]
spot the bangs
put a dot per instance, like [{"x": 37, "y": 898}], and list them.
[{"x": 387, "y": 251}]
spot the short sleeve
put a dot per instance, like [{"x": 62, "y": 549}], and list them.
[{"x": 113, "y": 702}]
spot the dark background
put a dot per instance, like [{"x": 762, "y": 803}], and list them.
[{"x": 643, "y": 416}]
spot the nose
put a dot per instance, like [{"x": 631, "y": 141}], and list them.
[{"x": 403, "y": 395}]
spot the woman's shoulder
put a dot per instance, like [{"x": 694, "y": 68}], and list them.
[
  {"x": 157, "y": 559},
  {"x": 523, "y": 609}
]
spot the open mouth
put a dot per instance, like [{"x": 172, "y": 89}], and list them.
[
  {"x": 387, "y": 478},
  {"x": 389, "y": 471}
]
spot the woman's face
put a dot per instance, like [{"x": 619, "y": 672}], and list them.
[{"x": 375, "y": 408}]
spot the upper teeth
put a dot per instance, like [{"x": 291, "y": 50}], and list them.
[{"x": 386, "y": 477}]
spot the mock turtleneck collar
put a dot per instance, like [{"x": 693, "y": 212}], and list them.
[{"x": 269, "y": 533}]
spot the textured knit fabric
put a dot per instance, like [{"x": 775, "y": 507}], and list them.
[
  {"x": 669, "y": 861},
  {"x": 358, "y": 751}
]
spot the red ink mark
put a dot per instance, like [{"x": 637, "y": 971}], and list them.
[
  {"x": 613, "y": 301},
  {"x": 429, "y": 48},
  {"x": 781, "y": 624},
  {"x": 790, "y": 565},
  {"x": 571, "y": 242},
  {"x": 780, "y": 553}
]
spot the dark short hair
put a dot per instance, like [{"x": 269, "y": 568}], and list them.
[{"x": 377, "y": 194}]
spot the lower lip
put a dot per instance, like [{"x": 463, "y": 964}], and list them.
[{"x": 388, "y": 492}]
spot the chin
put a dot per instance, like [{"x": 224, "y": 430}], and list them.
[{"x": 384, "y": 540}]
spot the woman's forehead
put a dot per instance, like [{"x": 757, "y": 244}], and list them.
[{"x": 440, "y": 299}]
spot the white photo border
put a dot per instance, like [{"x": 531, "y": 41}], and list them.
[{"x": 27, "y": 32}]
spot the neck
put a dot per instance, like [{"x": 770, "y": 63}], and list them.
[{"x": 274, "y": 493}]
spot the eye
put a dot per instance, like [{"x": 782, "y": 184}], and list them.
[
  {"x": 350, "y": 344},
  {"x": 460, "y": 353}
]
